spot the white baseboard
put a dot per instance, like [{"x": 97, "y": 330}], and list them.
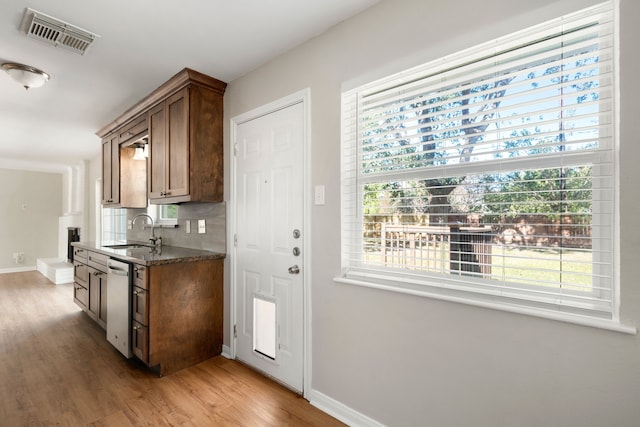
[
  {"x": 17, "y": 269},
  {"x": 340, "y": 411},
  {"x": 226, "y": 352}
]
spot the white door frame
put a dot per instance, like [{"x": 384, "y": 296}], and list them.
[{"x": 304, "y": 97}]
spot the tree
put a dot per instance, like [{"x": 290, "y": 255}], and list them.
[{"x": 453, "y": 120}]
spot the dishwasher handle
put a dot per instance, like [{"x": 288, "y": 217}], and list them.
[{"x": 120, "y": 270}]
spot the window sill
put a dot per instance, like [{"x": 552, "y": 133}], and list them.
[{"x": 582, "y": 320}]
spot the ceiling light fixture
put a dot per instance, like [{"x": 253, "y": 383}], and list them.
[{"x": 25, "y": 75}]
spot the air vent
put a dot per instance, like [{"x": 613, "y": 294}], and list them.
[{"x": 55, "y": 32}]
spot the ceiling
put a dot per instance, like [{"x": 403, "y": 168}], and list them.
[{"x": 142, "y": 44}]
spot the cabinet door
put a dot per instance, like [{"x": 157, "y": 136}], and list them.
[
  {"x": 94, "y": 292},
  {"x": 139, "y": 305},
  {"x": 177, "y": 172},
  {"x": 102, "y": 315},
  {"x": 110, "y": 171},
  {"x": 140, "y": 341},
  {"x": 97, "y": 307},
  {"x": 80, "y": 273},
  {"x": 80, "y": 295},
  {"x": 157, "y": 152},
  {"x": 140, "y": 276}
]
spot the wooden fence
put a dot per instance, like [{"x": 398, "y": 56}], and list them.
[{"x": 455, "y": 250}]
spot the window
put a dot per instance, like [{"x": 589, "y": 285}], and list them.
[
  {"x": 488, "y": 176},
  {"x": 163, "y": 214},
  {"x": 114, "y": 224}
]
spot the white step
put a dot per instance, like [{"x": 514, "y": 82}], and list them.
[{"x": 56, "y": 269}]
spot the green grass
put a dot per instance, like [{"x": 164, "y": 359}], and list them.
[
  {"x": 566, "y": 267},
  {"x": 569, "y": 268}
]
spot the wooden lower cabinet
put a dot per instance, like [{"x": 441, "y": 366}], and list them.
[
  {"x": 80, "y": 295},
  {"x": 140, "y": 341},
  {"x": 98, "y": 296},
  {"x": 90, "y": 287},
  {"x": 177, "y": 314}
]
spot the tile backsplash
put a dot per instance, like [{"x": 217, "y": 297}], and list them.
[{"x": 215, "y": 238}]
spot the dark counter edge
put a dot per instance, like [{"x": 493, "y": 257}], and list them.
[{"x": 168, "y": 255}]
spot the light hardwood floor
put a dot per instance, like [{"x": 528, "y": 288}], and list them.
[{"x": 56, "y": 368}]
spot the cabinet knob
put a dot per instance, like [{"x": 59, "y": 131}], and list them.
[{"x": 136, "y": 327}]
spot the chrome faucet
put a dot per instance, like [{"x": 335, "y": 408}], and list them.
[{"x": 156, "y": 241}]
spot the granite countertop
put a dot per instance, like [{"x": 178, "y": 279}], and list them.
[{"x": 147, "y": 255}]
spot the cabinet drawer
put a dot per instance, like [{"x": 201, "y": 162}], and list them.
[
  {"x": 80, "y": 254},
  {"x": 140, "y": 305},
  {"x": 140, "y": 278},
  {"x": 80, "y": 273},
  {"x": 97, "y": 261},
  {"x": 80, "y": 295},
  {"x": 140, "y": 341},
  {"x": 133, "y": 130}
]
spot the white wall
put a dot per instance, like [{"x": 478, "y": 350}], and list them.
[
  {"x": 30, "y": 204},
  {"x": 412, "y": 361}
]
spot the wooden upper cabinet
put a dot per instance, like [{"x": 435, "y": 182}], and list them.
[
  {"x": 184, "y": 121},
  {"x": 186, "y": 149},
  {"x": 111, "y": 171},
  {"x": 157, "y": 134},
  {"x": 124, "y": 179},
  {"x": 169, "y": 150}
]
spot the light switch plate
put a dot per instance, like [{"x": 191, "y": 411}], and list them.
[
  {"x": 318, "y": 195},
  {"x": 187, "y": 226},
  {"x": 201, "y": 226}
]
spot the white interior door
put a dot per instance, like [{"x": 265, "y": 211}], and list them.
[{"x": 269, "y": 238}]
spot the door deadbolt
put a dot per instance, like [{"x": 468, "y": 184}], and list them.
[{"x": 296, "y": 251}]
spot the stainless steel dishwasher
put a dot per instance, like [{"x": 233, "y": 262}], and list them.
[{"x": 119, "y": 306}]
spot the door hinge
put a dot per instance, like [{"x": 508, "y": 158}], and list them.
[
  {"x": 235, "y": 240},
  {"x": 235, "y": 331},
  {"x": 235, "y": 149}
]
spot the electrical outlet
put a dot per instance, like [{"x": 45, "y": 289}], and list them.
[
  {"x": 319, "y": 195},
  {"x": 187, "y": 226},
  {"x": 18, "y": 257},
  {"x": 129, "y": 224},
  {"x": 202, "y": 229}
]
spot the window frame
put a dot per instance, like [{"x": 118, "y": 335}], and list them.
[{"x": 451, "y": 289}]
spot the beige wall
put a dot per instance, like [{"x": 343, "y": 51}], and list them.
[
  {"x": 92, "y": 173},
  {"x": 405, "y": 360},
  {"x": 32, "y": 229}
]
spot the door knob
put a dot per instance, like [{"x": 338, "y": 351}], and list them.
[{"x": 294, "y": 269}]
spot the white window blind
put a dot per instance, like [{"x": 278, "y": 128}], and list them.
[{"x": 490, "y": 174}]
